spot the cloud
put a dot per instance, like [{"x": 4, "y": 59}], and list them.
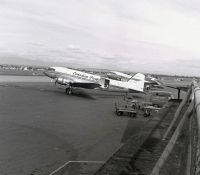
[{"x": 133, "y": 35}]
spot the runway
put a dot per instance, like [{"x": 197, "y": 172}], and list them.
[{"x": 41, "y": 127}]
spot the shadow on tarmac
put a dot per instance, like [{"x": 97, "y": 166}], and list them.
[
  {"x": 80, "y": 93},
  {"x": 77, "y": 92}
]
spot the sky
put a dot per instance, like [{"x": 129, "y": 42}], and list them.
[{"x": 156, "y": 36}]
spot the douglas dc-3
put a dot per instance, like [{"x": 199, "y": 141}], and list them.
[{"x": 70, "y": 78}]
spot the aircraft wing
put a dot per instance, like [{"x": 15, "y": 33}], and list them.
[
  {"x": 73, "y": 82},
  {"x": 136, "y": 91},
  {"x": 85, "y": 85}
]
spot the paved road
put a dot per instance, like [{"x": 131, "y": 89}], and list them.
[{"x": 41, "y": 128}]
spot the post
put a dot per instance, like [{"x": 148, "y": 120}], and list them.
[{"x": 179, "y": 92}]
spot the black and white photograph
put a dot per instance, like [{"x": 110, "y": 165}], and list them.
[{"x": 99, "y": 87}]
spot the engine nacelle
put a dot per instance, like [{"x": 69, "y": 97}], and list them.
[{"x": 62, "y": 81}]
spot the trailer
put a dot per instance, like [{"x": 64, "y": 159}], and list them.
[
  {"x": 125, "y": 108},
  {"x": 130, "y": 112},
  {"x": 133, "y": 108}
]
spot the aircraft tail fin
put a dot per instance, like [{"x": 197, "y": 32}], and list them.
[
  {"x": 138, "y": 81},
  {"x": 138, "y": 77}
]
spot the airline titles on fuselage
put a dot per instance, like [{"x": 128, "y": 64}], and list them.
[{"x": 85, "y": 77}]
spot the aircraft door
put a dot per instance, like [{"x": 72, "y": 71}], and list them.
[{"x": 106, "y": 83}]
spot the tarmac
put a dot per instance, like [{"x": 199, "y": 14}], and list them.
[{"x": 42, "y": 128}]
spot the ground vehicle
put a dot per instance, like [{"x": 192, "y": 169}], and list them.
[
  {"x": 148, "y": 109},
  {"x": 125, "y": 108},
  {"x": 133, "y": 108}
]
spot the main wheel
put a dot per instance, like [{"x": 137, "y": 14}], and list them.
[
  {"x": 68, "y": 91},
  {"x": 119, "y": 113}
]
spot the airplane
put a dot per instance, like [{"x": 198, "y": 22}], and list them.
[
  {"x": 150, "y": 82},
  {"x": 71, "y": 78},
  {"x": 153, "y": 83}
]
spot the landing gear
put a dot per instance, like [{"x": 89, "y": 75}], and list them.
[
  {"x": 147, "y": 113},
  {"x": 68, "y": 91},
  {"x": 119, "y": 113}
]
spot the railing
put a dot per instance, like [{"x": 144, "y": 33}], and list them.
[
  {"x": 171, "y": 143},
  {"x": 197, "y": 108},
  {"x": 192, "y": 163}
]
